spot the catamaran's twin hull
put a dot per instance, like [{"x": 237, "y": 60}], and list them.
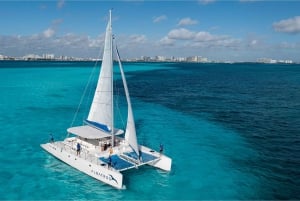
[
  {"x": 100, "y": 171},
  {"x": 163, "y": 163}
]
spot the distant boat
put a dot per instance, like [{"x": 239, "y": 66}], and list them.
[{"x": 96, "y": 148}]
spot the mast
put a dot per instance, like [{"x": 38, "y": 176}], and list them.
[{"x": 112, "y": 84}]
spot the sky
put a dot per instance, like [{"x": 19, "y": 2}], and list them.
[{"x": 241, "y": 30}]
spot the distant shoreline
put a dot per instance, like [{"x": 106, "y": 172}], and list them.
[{"x": 137, "y": 61}]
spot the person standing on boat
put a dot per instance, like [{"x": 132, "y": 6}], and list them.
[
  {"x": 78, "y": 149},
  {"x": 161, "y": 148},
  {"x": 51, "y": 138}
]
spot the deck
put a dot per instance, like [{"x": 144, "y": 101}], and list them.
[{"x": 128, "y": 160}]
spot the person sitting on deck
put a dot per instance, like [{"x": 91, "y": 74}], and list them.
[{"x": 78, "y": 149}]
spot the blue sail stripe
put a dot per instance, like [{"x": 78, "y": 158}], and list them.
[{"x": 98, "y": 125}]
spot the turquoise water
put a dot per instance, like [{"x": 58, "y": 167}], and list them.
[{"x": 231, "y": 130}]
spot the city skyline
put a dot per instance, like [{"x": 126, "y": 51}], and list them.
[
  {"x": 194, "y": 59},
  {"x": 220, "y": 30}
]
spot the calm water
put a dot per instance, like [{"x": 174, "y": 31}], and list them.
[{"x": 232, "y": 130}]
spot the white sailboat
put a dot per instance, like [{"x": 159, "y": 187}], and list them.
[{"x": 95, "y": 147}]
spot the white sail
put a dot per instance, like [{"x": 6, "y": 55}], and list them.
[
  {"x": 101, "y": 111},
  {"x": 130, "y": 133}
]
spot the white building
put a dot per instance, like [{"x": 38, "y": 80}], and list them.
[
  {"x": 48, "y": 56},
  {"x": 31, "y": 56}
]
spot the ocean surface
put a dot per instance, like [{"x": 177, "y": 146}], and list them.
[{"x": 232, "y": 130}]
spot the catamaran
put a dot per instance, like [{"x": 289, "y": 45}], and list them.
[{"x": 96, "y": 147}]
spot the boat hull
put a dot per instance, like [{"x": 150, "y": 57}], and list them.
[
  {"x": 164, "y": 161},
  {"x": 94, "y": 169}
]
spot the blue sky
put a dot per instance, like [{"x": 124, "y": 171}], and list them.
[{"x": 220, "y": 30}]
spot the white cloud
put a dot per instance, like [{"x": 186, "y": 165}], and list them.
[
  {"x": 291, "y": 25},
  {"x": 232, "y": 43},
  {"x": 166, "y": 41},
  {"x": 48, "y": 32},
  {"x": 159, "y": 18},
  {"x": 96, "y": 42},
  {"x": 187, "y": 21},
  {"x": 68, "y": 44},
  {"x": 200, "y": 39},
  {"x": 138, "y": 38},
  {"x": 177, "y": 42},
  {"x": 229, "y": 43},
  {"x": 203, "y": 36},
  {"x": 181, "y": 34}
]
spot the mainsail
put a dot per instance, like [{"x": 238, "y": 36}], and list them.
[{"x": 101, "y": 111}]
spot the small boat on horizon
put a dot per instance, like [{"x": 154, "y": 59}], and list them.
[{"x": 97, "y": 148}]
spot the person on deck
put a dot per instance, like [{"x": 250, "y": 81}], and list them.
[
  {"x": 78, "y": 149},
  {"x": 51, "y": 138},
  {"x": 161, "y": 148}
]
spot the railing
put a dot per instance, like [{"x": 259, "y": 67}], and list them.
[
  {"x": 90, "y": 155},
  {"x": 84, "y": 153}
]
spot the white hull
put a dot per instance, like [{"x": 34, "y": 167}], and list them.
[
  {"x": 89, "y": 163},
  {"x": 164, "y": 162},
  {"x": 102, "y": 173}
]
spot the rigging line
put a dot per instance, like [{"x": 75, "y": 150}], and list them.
[
  {"x": 83, "y": 95},
  {"x": 119, "y": 111},
  {"x": 84, "y": 92},
  {"x": 118, "y": 106}
]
